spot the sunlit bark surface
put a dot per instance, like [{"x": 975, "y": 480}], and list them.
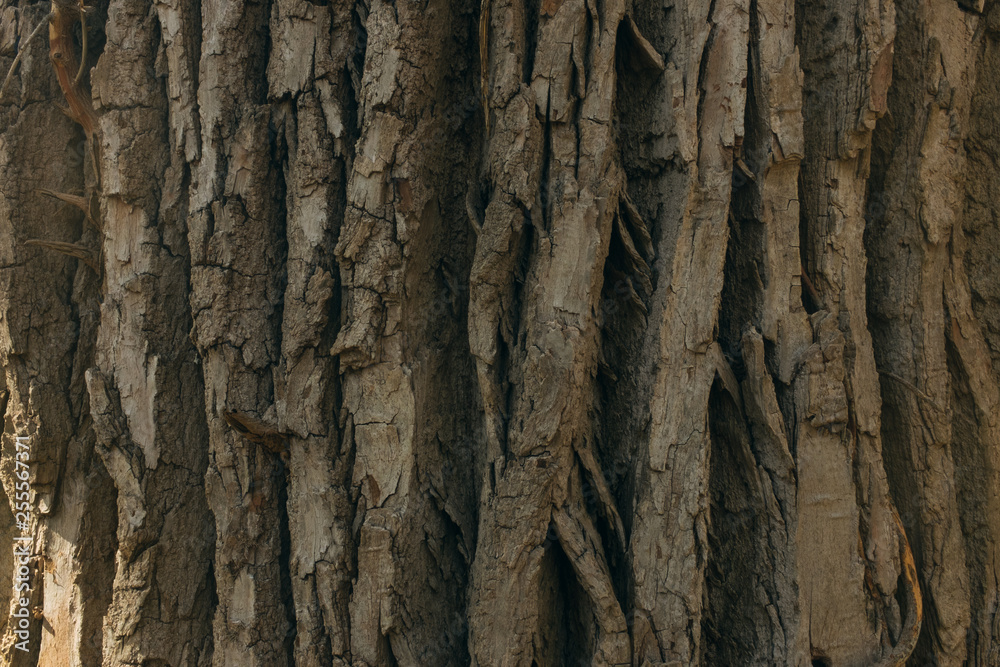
[{"x": 558, "y": 332}]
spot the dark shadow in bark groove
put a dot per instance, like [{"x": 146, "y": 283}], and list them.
[
  {"x": 562, "y": 637},
  {"x": 892, "y": 315},
  {"x": 280, "y": 473},
  {"x": 903, "y": 481},
  {"x": 972, "y": 479},
  {"x": 623, "y": 383},
  {"x": 742, "y": 287},
  {"x": 982, "y": 207},
  {"x": 510, "y": 338},
  {"x": 532, "y": 11},
  {"x": 810, "y": 300},
  {"x": 97, "y": 560},
  {"x": 623, "y": 320},
  {"x": 732, "y": 616},
  {"x": 356, "y": 68}
]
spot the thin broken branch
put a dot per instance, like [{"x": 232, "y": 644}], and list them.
[
  {"x": 88, "y": 206},
  {"x": 83, "y": 45},
  {"x": 63, "y": 19},
  {"x": 84, "y": 254},
  {"x": 20, "y": 51},
  {"x": 257, "y": 431},
  {"x": 912, "y": 387},
  {"x": 811, "y": 290}
]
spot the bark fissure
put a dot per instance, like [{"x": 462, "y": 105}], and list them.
[
  {"x": 495, "y": 332},
  {"x": 920, "y": 296}
]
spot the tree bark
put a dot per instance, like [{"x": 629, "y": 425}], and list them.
[{"x": 500, "y": 333}]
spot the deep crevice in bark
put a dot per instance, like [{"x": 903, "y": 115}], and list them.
[
  {"x": 811, "y": 300},
  {"x": 532, "y": 24},
  {"x": 563, "y": 636},
  {"x": 735, "y": 624},
  {"x": 280, "y": 473},
  {"x": 646, "y": 322},
  {"x": 973, "y": 479}
]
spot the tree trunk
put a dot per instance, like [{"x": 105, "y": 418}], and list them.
[{"x": 555, "y": 333}]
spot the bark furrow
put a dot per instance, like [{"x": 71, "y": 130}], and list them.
[{"x": 615, "y": 332}]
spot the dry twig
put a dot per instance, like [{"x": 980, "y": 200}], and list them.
[{"x": 20, "y": 52}]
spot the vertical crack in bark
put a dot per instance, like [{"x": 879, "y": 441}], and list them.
[
  {"x": 280, "y": 471},
  {"x": 668, "y": 544},
  {"x": 843, "y": 488},
  {"x": 312, "y": 67},
  {"x": 161, "y": 604},
  {"x": 562, "y": 125},
  {"x": 753, "y": 480},
  {"x": 972, "y": 296},
  {"x": 746, "y": 537},
  {"x": 975, "y": 404},
  {"x": 236, "y": 234},
  {"x": 50, "y": 306},
  {"x": 915, "y": 244},
  {"x": 402, "y": 248}
]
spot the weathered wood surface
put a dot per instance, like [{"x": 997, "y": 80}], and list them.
[{"x": 503, "y": 333}]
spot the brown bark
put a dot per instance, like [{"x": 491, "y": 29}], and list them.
[
  {"x": 928, "y": 348},
  {"x": 502, "y": 333}
]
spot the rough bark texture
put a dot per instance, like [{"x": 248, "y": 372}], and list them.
[{"x": 555, "y": 332}]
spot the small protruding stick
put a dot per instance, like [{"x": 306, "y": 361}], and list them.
[
  {"x": 82, "y": 253},
  {"x": 484, "y": 60},
  {"x": 470, "y": 209},
  {"x": 260, "y": 432},
  {"x": 81, "y": 203},
  {"x": 912, "y": 387},
  {"x": 83, "y": 46},
  {"x": 811, "y": 289},
  {"x": 64, "y": 62},
  {"x": 20, "y": 52},
  {"x": 88, "y": 206},
  {"x": 64, "y": 14}
]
